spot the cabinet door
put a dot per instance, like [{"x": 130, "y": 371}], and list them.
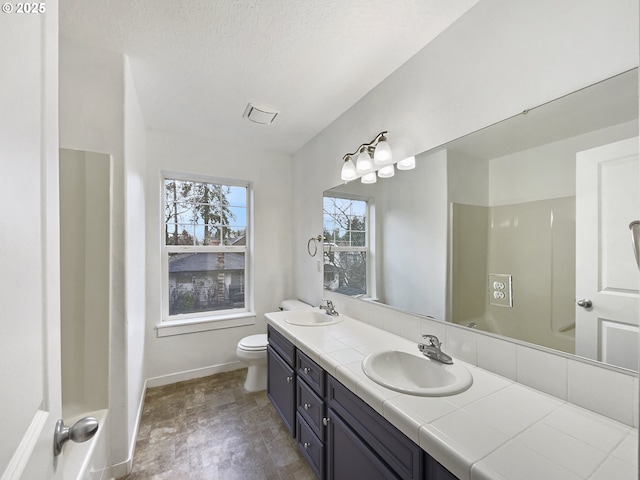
[
  {"x": 435, "y": 471},
  {"x": 281, "y": 389},
  {"x": 403, "y": 456},
  {"x": 349, "y": 458}
]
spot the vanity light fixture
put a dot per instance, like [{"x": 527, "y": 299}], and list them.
[{"x": 372, "y": 157}]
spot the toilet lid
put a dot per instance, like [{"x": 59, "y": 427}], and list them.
[{"x": 254, "y": 342}]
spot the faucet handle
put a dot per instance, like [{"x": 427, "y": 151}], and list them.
[
  {"x": 432, "y": 340},
  {"x": 328, "y": 303}
]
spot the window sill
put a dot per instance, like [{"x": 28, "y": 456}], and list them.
[{"x": 181, "y": 327}]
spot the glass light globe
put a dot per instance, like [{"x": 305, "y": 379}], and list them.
[
  {"x": 387, "y": 171},
  {"x": 382, "y": 154},
  {"x": 348, "y": 172},
  {"x": 369, "y": 177},
  {"x": 407, "y": 164},
  {"x": 364, "y": 164}
]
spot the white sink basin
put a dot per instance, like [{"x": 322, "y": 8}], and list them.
[
  {"x": 310, "y": 318},
  {"x": 416, "y": 374}
]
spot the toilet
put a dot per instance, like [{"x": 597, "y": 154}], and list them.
[{"x": 252, "y": 352}]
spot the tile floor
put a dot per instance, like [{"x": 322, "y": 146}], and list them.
[{"x": 211, "y": 428}]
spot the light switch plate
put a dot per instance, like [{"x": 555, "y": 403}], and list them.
[{"x": 500, "y": 290}]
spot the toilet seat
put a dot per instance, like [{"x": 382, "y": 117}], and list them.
[{"x": 254, "y": 342}]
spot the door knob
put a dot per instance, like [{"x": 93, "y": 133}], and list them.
[
  {"x": 81, "y": 431},
  {"x": 585, "y": 302}
]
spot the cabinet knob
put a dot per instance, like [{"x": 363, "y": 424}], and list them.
[
  {"x": 306, "y": 370},
  {"x": 306, "y": 445},
  {"x": 307, "y": 406},
  {"x": 325, "y": 421},
  {"x": 289, "y": 379}
]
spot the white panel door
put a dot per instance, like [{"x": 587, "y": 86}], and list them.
[
  {"x": 29, "y": 256},
  {"x": 607, "y": 200}
]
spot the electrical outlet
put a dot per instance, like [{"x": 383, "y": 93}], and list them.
[{"x": 500, "y": 290}]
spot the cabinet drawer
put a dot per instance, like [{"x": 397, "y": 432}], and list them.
[
  {"x": 311, "y": 372},
  {"x": 280, "y": 344},
  {"x": 311, "y": 408},
  {"x": 311, "y": 447},
  {"x": 392, "y": 446}
]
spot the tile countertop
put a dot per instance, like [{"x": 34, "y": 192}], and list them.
[{"x": 496, "y": 430}]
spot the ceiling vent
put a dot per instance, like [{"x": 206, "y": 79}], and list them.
[{"x": 261, "y": 115}]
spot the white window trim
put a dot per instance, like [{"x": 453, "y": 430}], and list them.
[
  {"x": 179, "y": 327},
  {"x": 211, "y": 320}
]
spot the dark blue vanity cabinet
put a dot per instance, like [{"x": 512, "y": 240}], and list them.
[
  {"x": 281, "y": 381},
  {"x": 341, "y": 436}
]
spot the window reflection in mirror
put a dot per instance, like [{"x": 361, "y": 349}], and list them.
[{"x": 345, "y": 245}]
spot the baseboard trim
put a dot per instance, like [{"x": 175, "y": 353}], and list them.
[
  {"x": 191, "y": 374},
  {"x": 124, "y": 468}
]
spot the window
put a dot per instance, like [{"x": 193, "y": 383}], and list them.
[
  {"x": 205, "y": 256},
  {"x": 345, "y": 245}
]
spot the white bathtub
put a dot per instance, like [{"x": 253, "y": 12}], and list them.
[{"x": 88, "y": 460}]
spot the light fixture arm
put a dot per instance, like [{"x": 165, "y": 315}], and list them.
[{"x": 369, "y": 145}]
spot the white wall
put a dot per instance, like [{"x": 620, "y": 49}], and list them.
[
  {"x": 525, "y": 176},
  {"x": 468, "y": 179},
  {"x": 135, "y": 251},
  {"x": 182, "y": 356},
  {"x": 412, "y": 253},
  {"x": 501, "y": 57},
  {"x": 93, "y": 119}
]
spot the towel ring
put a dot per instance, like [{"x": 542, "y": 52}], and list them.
[{"x": 315, "y": 241}]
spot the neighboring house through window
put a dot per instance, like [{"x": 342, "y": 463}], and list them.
[
  {"x": 205, "y": 256},
  {"x": 346, "y": 242}
]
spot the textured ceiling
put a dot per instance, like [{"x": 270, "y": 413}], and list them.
[{"x": 197, "y": 63}]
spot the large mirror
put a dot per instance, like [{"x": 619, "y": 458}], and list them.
[{"x": 520, "y": 229}]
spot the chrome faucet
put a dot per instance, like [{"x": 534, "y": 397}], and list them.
[
  {"x": 329, "y": 308},
  {"x": 432, "y": 350}
]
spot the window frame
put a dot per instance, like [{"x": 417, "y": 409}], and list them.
[
  {"x": 210, "y": 319},
  {"x": 369, "y": 242}
]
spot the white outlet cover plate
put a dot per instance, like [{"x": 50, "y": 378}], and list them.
[{"x": 496, "y": 283}]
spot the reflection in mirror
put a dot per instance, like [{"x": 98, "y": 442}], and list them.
[
  {"x": 520, "y": 229},
  {"x": 345, "y": 245}
]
